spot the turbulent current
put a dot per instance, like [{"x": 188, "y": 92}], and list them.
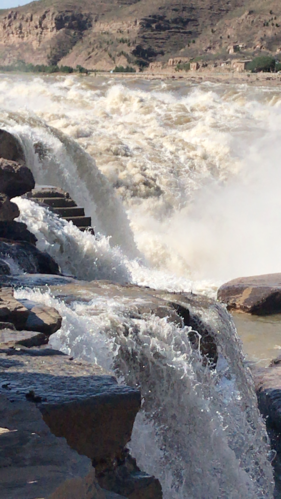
[{"x": 182, "y": 184}]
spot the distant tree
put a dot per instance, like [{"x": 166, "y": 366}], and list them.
[
  {"x": 264, "y": 64},
  {"x": 121, "y": 69}
]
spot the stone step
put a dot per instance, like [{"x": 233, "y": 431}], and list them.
[
  {"x": 61, "y": 203},
  {"x": 56, "y": 202},
  {"x": 69, "y": 212},
  {"x": 47, "y": 192},
  {"x": 79, "y": 221}
]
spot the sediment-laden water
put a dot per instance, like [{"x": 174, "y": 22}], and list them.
[{"x": 182, "y": 183}]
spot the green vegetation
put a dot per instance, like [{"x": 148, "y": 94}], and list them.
[
  {"x": 124, "y": 40},
  {"x": 21, "y": 66},
  {"x": 121, "y": 69},
  {"x": 262, "y": 63},
  {"x": 81, "y": 70},
  {"x": 183, "y": 67}
]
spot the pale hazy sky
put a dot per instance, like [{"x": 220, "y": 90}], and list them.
[{"x": 6, "y": 4}]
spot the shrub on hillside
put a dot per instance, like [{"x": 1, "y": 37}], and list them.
[
  {"x": 262, "y": 63},
  {"x": 121, "y": 69},
  {"x": 183, "y": 67},
  {"x": 81, "y": 70}
]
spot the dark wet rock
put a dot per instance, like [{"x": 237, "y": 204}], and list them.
[
  {"x": 260, "y": 295},
  {"x": 39, "y": 281},
  {"x": 11, "y": 148},
  {"x": 268, "y": 389},
  {"x": 127, "y": 479},
  {"x": 15, "y": 179},
  {"x": 4, "y": 268},
  {"x": 44, "y": 319},
  {"x": 28, "y": 257},
  {"x": 192, "y": 309},
  {"x": 8, "y": 210},
  {"x": 34, "y": 463},
  {"x": 78, "y": 400},
  {"x": 7, "y": 325},
  {"x": 16, "y": 231}
]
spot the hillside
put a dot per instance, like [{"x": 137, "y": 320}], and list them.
[{"x": 100, "y": 34}]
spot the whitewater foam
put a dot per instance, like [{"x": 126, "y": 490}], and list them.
[{"x": 194, "y": 166}]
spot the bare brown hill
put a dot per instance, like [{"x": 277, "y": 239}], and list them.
[{"x": 100, "y": 34}]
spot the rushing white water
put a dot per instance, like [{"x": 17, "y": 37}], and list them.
[
  {"x": 196, "y": 173},
  {"x": 203, "y": 425},
  {"x": 196, "y": 167}
]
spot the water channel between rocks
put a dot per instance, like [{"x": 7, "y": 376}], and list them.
[{"x": 260, "y": 335}]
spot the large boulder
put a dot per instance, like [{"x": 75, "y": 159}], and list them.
[
  {"x": 11, "y": 310},
  {"x": 27, "y": 315},
  {"x": 260, "y": 295},
  {"x": 16, "y": 231},
  {"x": 41, "y": 318},
  {"x": 15, "y": 179},
  {"x": 27, "y": 258},
  {"x": 8, "y": 210},
  {"x": 34, "y": 463},
  {"x": 11, "y": 148}
]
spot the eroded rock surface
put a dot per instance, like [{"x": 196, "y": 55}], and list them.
[{"x": 260, "y": 295}]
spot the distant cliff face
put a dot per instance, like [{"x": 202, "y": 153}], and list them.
[
  {"x": 43, "y": 37},
  {"x": 128, "y": 32}
]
